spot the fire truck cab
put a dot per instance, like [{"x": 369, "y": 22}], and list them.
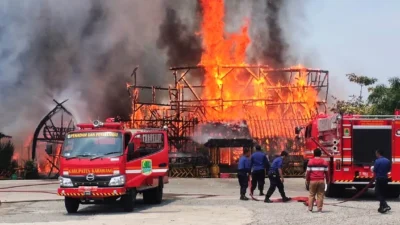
[
  {"x": 103, "y": 163},
  {"x": 349, "y": 143}
]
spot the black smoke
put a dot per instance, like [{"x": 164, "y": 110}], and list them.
[
  {"x": 83, "y": 51},
  {"x": 179, "y": 39},
  {"x": 275, "y": 50}
]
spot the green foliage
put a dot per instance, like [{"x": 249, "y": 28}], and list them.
[
  {"x": 385, "y": 99},
  {"x": 361, "y": 80},
  {"x": 382, "y": 100},
  {"x": 355, "y": 105},
  {"x": 6, "y": 154}
]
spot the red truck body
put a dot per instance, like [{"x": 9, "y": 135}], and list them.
[
  {"x": 349, "y": 143},
  {"x": 103, "y": 162}
]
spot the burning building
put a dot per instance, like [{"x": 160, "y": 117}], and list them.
[
  {"x": 222, "y": 93},
  {"x": 266, "y": 103}
]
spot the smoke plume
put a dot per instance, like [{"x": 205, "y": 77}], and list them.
[
  {"x": 179, "y": 39},
  {"x": 274, "y": 53},
  {"x": 83, "y": 51}
]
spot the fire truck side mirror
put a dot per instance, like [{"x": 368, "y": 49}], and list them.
[
  {"x": 49, "y": 149},
  {"x": 131, "y": 150}
]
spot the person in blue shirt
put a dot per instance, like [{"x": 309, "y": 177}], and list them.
[
  {"x": 382, "y": 167},
  {"x": 275, "y": 176},
  {"x": 244, "y": 170},
  {"x": 259, "y": 163}
]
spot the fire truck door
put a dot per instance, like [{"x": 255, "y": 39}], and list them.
[{"x": 150, "y": 157}]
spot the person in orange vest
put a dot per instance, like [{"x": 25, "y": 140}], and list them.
[{"x": 317, "y": 172}]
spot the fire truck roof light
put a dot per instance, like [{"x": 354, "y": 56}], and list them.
[
  {"x": 103, "y": 125},
  {"x": 97, "y": 123}
]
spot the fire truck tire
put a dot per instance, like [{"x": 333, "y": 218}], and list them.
[
  {"x": 154, "y": 196},
  {"x": 129, "y": 200},
  {"x": 393, "y": 192},
  {"x": 71, "y": 204},
  {"x": 333, "y": 190}
]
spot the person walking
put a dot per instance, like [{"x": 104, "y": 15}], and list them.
[
  {"x": 244, "y": 171},
  {"x": 317, "y": 172},
  {"x": 275, "y": 176},
  {"x": 382, "y": 167},
  {"x": 258, "y": 164}
]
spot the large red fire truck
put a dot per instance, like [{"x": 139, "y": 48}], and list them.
[
  {"x": 103, "y": 163},
  {"x": 349, "y": 143}
]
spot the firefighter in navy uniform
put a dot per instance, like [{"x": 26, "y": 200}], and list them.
[
  {"x": 382, "y": 167},
  {"x": 275, "y": 176},
  {"x": 244, "y": 170},
  {"x": 259, "y": 163}
]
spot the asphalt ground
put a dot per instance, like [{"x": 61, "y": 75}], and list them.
[{"x": 189, "y": 202}]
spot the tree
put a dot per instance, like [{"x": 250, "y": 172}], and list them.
[
  {"x": 355, "y": 105},
  {"x": 361, "y": 80},
  {"x": 385, "y": 99}
]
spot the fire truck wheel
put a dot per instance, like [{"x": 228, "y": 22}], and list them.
[
  {"x": 129, "y": 200},
  {"x": 71, "y": 204},
  {"x": 153, "y": 196},
  {"x": 393, "y": 192},
  {"x": 333, "y": 190}
]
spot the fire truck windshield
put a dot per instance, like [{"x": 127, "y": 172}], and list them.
[{"x": 92, "y": 145}]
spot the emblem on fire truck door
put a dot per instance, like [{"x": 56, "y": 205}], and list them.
[
  {"x": 346, "y": 132},
  {"x": 147, "y": 166}
]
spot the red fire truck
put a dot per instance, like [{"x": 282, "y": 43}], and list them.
[
  {"x": 349, "y": 143},
  {"x": 103, "y": 163}
]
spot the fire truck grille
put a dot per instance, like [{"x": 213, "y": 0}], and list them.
[{"x": 98, "y": 181}]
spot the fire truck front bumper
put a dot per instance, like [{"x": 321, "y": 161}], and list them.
[{"x": 92, "y": 192}]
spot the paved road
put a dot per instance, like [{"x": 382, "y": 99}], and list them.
[{"x": 196, "y": 201}]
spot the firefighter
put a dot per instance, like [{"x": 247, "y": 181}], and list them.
[
  {"x": 382, "y": 167},
  {"x": 244, "y": 171},
  {"x": 258, "y": 164},
  {"x": 275, "y": 176},
  {"x": 317, "y": 172}
]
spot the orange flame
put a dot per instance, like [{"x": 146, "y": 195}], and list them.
[
  {"x": 272, "y": 108},
  {"x": 222, "y": 49}
]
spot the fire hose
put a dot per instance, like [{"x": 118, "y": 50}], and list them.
[
  {"x": 305, "y": 199},
  {"x": 27, "y": 185}
]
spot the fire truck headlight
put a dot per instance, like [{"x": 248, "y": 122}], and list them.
[
  {"x": 117, "y": 181},
  {"x": 372, "y": 168},
  {"x": 65, "y": 182}
]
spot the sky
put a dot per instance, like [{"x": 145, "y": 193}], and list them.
[{"x": 353, "y": 36}]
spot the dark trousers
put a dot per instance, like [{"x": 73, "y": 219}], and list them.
[
  {"x": 258, "y": 177},
  {"x": 274, "y": 182},
  {"x": 243, "y": 182},
  {"x": 381, "y": 186}
]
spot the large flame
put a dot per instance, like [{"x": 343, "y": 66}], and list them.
[
  {"x": 271, "y": 102},
  {"x": 230, "y": 49}
]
